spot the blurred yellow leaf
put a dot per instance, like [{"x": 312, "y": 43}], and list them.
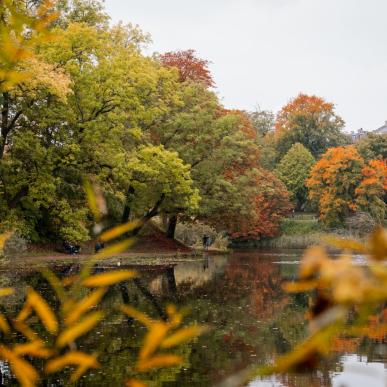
[
  {"x": 182, "y": 336},
  {"x": 72, "y": 358},
  {"x": 24, "y": 372},
  {"x": 6, "y": 292},
  {"x": 312, "y": 260},
  {"x": 137, "y": 315},
  {"x": 153, "y": 338},
  {"x": 4, "y": 326},
  {"x": 109, "y": 278},
  {"x": 117, "y": 248},
  {"x": 158, "y": 361},
  {"x": 95, "y": 200},
  {"x": 55, "y": 283},
  {"x": 67, "y": 281},
  {"x": 175, "y": 317},
  {"x": 345, "y": 244},
  {"x": 4, "y": 238},
  {"x": 25, "y": 312},
  {"x": 85, "y": 304},
  {"x": 24, "y": 329},
  {"x": 300, "y": 286},
  {"x": 117, "y": 231},
  {"x": 134, "y": 383},
  {"x": 34, "y": 348},
  {"x": 75, "y": 331},
  {"x": 43, "y": 310},
  {"x": 378, "y": 244}
]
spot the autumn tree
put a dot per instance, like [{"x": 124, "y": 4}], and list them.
[
  {"x": 263, "y": 121},
  {"x": 310, "y": 121},
  {"x": 373, "y": 146},
  {"x": 371, "y": 193},
  {"x": 342, "y": 184},
  {"x": 189, "y": 66},
  {"x": 293, "y": 169}
]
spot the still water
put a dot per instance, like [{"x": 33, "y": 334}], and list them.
[{"x": 239, "y": 296}]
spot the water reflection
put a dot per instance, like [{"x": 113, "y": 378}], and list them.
[{"x": 239, "y": 295}]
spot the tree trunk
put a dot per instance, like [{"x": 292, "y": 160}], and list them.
[
  {"x": 4, "y": 123},
  {"x": 126, "y": 213},
  {"x": 172, "y": 227}
]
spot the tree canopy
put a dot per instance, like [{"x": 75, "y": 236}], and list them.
[
  {"x": 310, "y": 121},
  {"x": 293, "y": 169}
]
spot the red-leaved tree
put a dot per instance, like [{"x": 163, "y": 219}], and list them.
[{"x": 190, "y": 67}]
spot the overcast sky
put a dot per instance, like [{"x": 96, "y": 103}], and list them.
[{"x": 264, "y": 52}]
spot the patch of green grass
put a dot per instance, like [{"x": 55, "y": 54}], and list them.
[{"x": 295, "y": 226}]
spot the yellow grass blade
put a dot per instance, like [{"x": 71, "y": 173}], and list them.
[
  {"x": 55, "y": 283},
  {"x": 75, "y": 331},
  {"x": 4, "y": 292},
  {"x": 71, "y": 358},
  {"x": 134, "y": 383},
  {"x": 182, "y": 336},
  {"x": 300, "y": 286},
  {"x": 35, "y": 349},
  {"x": 25, "y": 312},
  {"x": 378, "y": 244},
  {"x": 117, "y": 248},
  {"x": 345, "y": 244},
  {"x": 153, "y": 339},
  {"x": 3, "y": 238},
  {"x": 4, "y": 326},
  {"x": 24, "y": 329},
  {"x": 43, "y": 310},
  {"x": 85, "y": 304},
  {"x": 137, "y": 315},
  {"x": 159, "y": 361},
  {"x": 24, "y": 372},
  {"x": 69, "y": 280},
  {"x": 117, "y": 231},
  {"x": 109, "y": 278}
]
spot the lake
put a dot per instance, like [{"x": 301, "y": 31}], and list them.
[{"x": 239, "y": 296}]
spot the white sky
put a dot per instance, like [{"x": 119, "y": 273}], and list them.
[{"x": 264, "y": 52}]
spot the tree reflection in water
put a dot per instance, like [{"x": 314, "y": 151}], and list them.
[{"x": 239, "y": 296}]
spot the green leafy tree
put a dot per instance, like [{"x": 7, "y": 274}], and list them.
[
  {"x": 293, "y": 169},
  {"x": 373, "y": 146}
]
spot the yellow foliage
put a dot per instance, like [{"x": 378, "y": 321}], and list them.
[
  {"x": 25, "y": 373},
  {"x": 3, "y": 238},
  {"x": 43, "y": 310},
  {"x": 73, "y": 332},
  {"x": 109, "y": 278},
  {"x": 134, "y": 383},
  {"x": 183, "y": 335},
  {"x": 4, "y": 326},
  {"x": 34, "y": 348},
  {"x": 84, "y": 305},
  {"x": 117, "y": 231},
  {"x": 6, "y": 292},
  {"x": 159, "y": 361},
  {"x": 80, "y": 359}
]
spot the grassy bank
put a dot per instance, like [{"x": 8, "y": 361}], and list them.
[{"x": 297, "y": 232}]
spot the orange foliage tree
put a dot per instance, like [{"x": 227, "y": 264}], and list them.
[
  {"x": 190, "y": 67},
  {"x": 311, "y": 121},
  {"x": 268, "y": 198},
  {"x": 342, "y": 184}
]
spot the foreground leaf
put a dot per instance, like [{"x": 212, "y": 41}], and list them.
[
  {"x": 109, "y": 278},
  {"x": 75, "y": 331},
  {"x": 24, "y": 372},
  {"x": 84, "y": 305},
  {"x": 182, "y": 336},
  {"x": 159, "y": 361}
]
